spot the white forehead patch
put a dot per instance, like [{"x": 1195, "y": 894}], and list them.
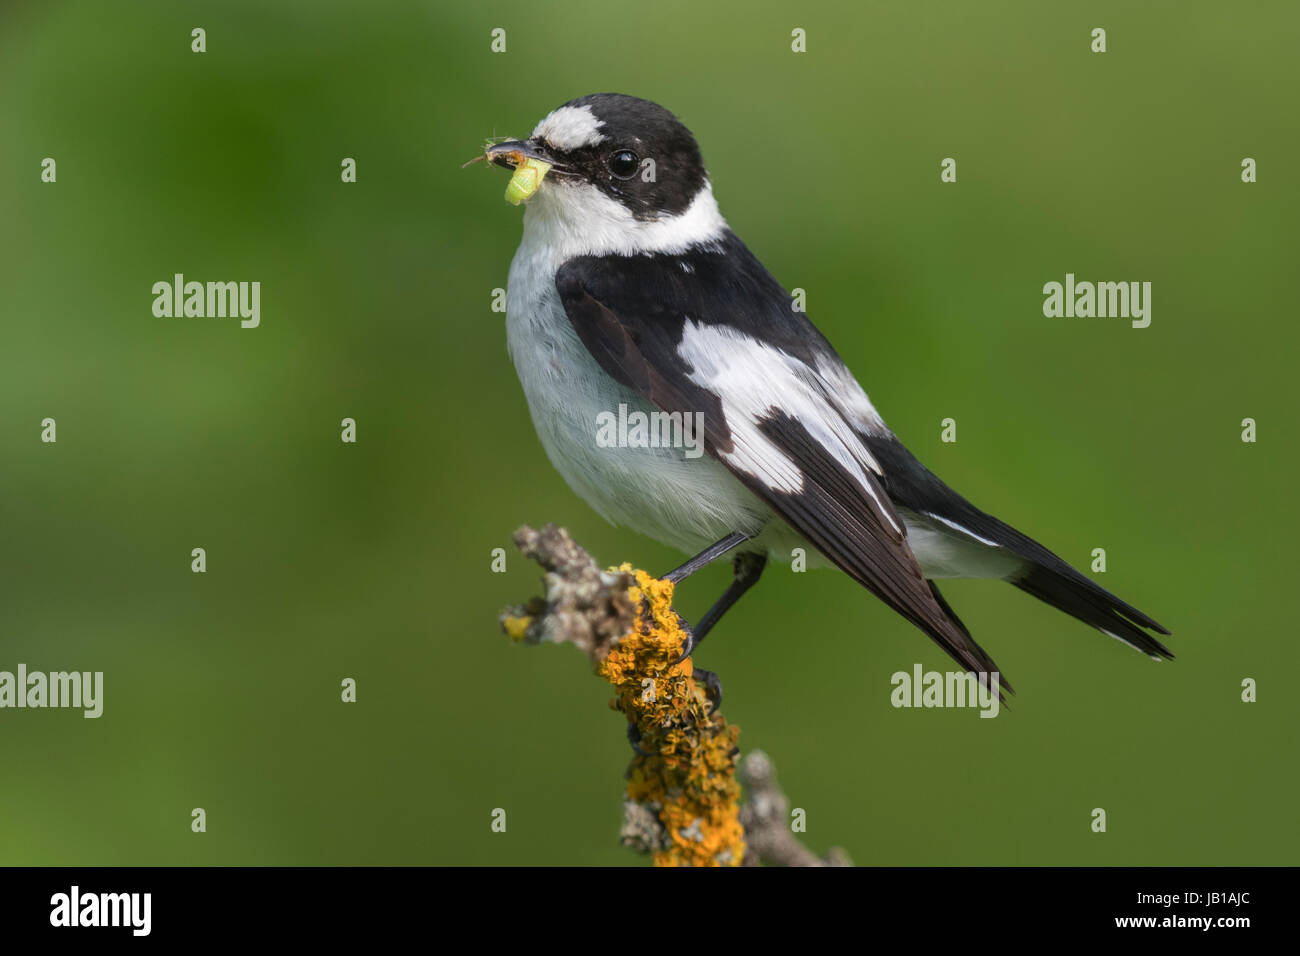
[{"x": 570, "y": 127}]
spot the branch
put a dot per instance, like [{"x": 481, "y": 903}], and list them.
[
  {"x": 766, "y": 819},
  {"x": 682, "y": 802}
]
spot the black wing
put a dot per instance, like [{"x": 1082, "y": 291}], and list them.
[{"x": 633, "y": 314}]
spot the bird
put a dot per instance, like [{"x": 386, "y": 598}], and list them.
[{"x": 630, "y": 296}]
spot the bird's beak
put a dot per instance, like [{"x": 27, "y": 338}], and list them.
[
  {"x": 514, "y": 151},
  {"x": 529, "y": 161}
]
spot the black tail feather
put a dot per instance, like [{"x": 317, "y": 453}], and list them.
[
  {"x": 1048, "y": 578},
  {"x": 1067, "y": 590},
  {"x": 977, "y": 660}
]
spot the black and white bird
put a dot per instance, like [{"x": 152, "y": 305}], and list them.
[{"x": 629, "y": 289}]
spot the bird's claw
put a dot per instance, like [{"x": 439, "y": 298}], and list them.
[
  {"x": 689, "y": 644},
  {"x": 634, "y": 738},
  {"x": 712, "y": 688}
]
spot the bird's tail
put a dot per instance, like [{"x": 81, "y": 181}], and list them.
[
  {"x": 1067, "y": 590},
  {"x": 970, "y": 655}
]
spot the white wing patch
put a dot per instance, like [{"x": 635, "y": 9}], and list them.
[
  {"x": 570, "y": 127},
  {"x": 847, "y": 396},
  {"x": 752, "y": 380}
]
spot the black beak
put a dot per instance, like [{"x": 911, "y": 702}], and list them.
[{"x": 512, "y": 152}]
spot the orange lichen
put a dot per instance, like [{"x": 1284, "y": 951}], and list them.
[{"x": 686, "y": 771}]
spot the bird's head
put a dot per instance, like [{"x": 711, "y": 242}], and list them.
[{"x": 604, "y": 158}]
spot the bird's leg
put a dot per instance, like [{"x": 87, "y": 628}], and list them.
[
  {"x": 747, "y": 567},
  {"x": 678, "y": 575}
]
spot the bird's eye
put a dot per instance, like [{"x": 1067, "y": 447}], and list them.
[{"x": 623, "y": 163}]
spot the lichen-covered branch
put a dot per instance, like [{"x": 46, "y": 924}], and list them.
[
  {"x": 583, "y": 604},
  {"x": 682, "y": 802}
]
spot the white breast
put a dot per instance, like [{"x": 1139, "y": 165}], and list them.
[{"x": 687, "y": 503}]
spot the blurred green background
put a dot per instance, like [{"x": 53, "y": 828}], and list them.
[{"x": 372, "y": 560}]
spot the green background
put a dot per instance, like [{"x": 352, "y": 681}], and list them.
[{"x": 372, "y": 560}]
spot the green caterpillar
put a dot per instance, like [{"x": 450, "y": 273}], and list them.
[{"x": 528, "y": 176}]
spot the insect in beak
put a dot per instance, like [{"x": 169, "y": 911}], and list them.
[{"x": 529, "y": 162}]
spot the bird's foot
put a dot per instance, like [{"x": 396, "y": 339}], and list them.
[{"x": 712, "y": 688}]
